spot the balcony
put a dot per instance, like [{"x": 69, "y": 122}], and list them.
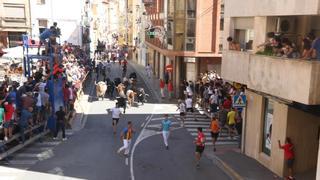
[
  {"x": 251, "y": 8},
  {"x": 290, "y": 79}
]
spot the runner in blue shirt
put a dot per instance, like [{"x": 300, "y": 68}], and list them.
[{"x": 166, "y": 124}]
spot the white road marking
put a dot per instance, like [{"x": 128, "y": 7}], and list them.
[
  {"x": 23, "y": 162},
  {"x": 50, "y": 143},
  {"x": 127, "y": 161}
]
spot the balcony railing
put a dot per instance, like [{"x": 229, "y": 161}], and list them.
[{"x": 291, "y": 79}]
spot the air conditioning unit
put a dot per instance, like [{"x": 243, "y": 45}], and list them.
[{"x": 286, "y": 24}]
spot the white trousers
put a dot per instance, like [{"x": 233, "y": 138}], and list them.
[
  {"x": 126, "y": 146},
  {"x": 162, "y": 92},
  {"x": 165, "y": 135}
]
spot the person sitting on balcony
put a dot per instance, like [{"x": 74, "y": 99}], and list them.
[
  {"x": 307, "y": 51},
  {"x": 233, "y": 45},
  {"x": 289, "y": 49},
  {"x": 315, "y": 47}
]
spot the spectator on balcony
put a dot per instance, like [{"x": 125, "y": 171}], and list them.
[
  {"x": 307, "y": 51},
  {"x": 315, "y": 47},
  {"x": 289, "y": 49},
  {"x": 233, "y": 45}
]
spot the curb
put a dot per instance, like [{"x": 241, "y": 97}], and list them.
[
  {"x": 225, "y": 167},
  {"x": 132, "y": 64}
]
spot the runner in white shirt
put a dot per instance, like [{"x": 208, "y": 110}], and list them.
[
  {"x": 115, "y": 117},
  {"x": 182, "y": 109},
  {"x": 189, "y": 106}
]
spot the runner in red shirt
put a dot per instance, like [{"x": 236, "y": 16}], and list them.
[
  {"x": 288, "y": 155},
  {"x": 200, "y": 144}
]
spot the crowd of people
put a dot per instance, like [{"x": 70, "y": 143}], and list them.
[
  {"x": 280, "y": 45},
  {"x": 26, "y": 107}
]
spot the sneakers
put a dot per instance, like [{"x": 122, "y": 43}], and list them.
[
  {"x": 167, "y": 147},
  {"x": 64, "y": 139},
  {"x": 5, "y": 138},
  {"x": 54, "y": 138}
]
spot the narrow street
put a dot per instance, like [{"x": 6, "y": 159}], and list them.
[{"x": 91, "y": 152}]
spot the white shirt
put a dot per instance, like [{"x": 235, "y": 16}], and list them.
[
  {"x": 182, "y": 107},
  {"x": 189, "y": 103},
  {"x": 116, "y": 113},
  {"x": 42, "y": 85},
  {"x": 71, "y": 94},
  {"x": 39, "y": 103},
  {"x": 214, "y": 99}
]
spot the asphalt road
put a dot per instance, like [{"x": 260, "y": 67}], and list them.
[{"x": 91, "y": 152}]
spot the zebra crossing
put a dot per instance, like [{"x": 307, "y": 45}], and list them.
[
  {"x": 204, "y": 121},
  {"x": 34, "y": 153}
]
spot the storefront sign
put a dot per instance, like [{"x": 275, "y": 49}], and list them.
[{"x": 189, "y": 60}]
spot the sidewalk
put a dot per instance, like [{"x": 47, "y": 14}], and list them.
[
  {"x": 228, "y": 158},
  {"x": 151, "y": 83}
]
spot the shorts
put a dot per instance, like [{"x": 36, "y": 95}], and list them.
[
  {"x": 182, "y": 114},
  {"x": 8, "y": 124},
  {"x": 199, "y": 149},
  {"x": 115, "y": 121},
  {"x": 214, "y": 135},
  {"x": 231, "y": 126},
  {"x": 190, "y": 110},
  {"x": 290, "y": 163}
]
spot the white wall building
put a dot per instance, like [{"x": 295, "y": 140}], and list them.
[{"x": 67, "y": 13}]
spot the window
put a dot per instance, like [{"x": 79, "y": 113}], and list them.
[
  {"x": 14, "y": 11},
  {"x": 41, "y": 2},
  {"x": 245, "y": 38},
  {"x": 191, "y": 8},
  {"x": 267, "y": 126},
  {"x": 43, "y": 23},
  {"x": 221, "y": 24},
  {"x": 15, "y": 38},
  {"x": 191, "y": 27}
]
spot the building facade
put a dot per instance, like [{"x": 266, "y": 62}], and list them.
[
  {"x": 45, "y": 12},
  {"x": 282, "y": 93},
  {"x": 184, "y": 34},
  {"x": 14, "y": 21}
]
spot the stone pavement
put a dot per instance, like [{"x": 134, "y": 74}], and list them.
[{"x": 228, "y": 156}]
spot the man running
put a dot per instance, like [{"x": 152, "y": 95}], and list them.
[
  {"x": 115, "y": 117},
  {"x": 189, "y": 106},
  {"x": 200, "y": 144},
  {"x": 182, "y": 109},
  {"x": 214, "y": 130},
  {"x": 126, "y": 137},
  {"x": 166, "y": 124}
]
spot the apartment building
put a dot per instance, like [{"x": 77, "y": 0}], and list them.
[
  {"x": 45, "y": 12},
  {"x": 186, "y": 38},
  {"x": 14, "y": 21},
  {"x": 283, "y": 93}
]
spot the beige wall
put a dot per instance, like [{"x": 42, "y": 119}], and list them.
[
  {"x": 254, "y": 132},
  {"x": 286, "y": 78},
  {"x": 290, "y": 79},
  {"x": 303, "y": 129},
  {"x": 300, "y": 126},
  {"x": 14, "y": 25},
  {"x": 204, "y": 26},
  {"x": 235, "y": 66},
  {"x": 244, "y": 8}
]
